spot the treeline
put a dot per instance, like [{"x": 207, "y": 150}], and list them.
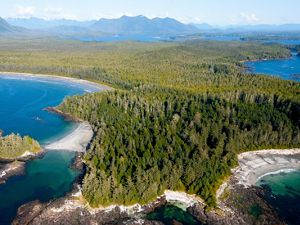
[
  {"x": 13, "y": 146},
  {"x": 195, "y": 65},
  {"x": 152, "y": 139},
  {"x": 183, "y": 113}
]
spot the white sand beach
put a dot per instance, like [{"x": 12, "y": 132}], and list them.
[
  {"x": 82, "y": 135},
  {"x": 255, "y": 165},
  {"x": 90, "y": 86},
  {"x": 75, "y": 141}
]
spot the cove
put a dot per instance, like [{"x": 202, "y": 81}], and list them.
[
  {"x": 287, "y": 69},
  {"x": 22, "y": 101},
  {"x": 282, "y": 189},
  {"x": 283, "y": 193},
  {"x": 170, "y": 214},
  {"x": 44, "y": 179}
]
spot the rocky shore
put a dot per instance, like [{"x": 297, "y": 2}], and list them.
[
  {"x": 239, "y": 202},
  {"x": 13, "y": 167},
  {"x": 73, "y": 210}
]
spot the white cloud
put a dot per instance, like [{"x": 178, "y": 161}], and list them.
[
  {"x": 249, "y": 17},
  {"x": 56, "y": 13},
  {"x": 53, "y": 11},
  {"x": 24, "y": 11}
]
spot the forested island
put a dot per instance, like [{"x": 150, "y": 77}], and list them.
[
  {"x": 13, "y": 146},
  {"x": 180, "y": 114}
]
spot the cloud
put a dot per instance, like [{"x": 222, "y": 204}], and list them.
[
  {"x": 57, "y": 13},
  {"x": 53, "y": 11},
  {"x": 24, "y": 11},
  {"x": 249, "y": 17}
]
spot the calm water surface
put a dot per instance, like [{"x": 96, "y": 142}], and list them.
[
  {"x": 44, "y": 179},
  {"x": 22, "y": 111},
  {"x": 168, "y": 214},
  {"x": 283, "y": 192},
  {"x": 288, "y": 69}
]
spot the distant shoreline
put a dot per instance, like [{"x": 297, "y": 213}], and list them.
[{"x": 89, "y": 84}]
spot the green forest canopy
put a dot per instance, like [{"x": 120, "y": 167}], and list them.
[
  {"x": 13, "y": 146},
  {"x": 179, "y": 117}
]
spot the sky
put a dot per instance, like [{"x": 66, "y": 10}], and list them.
[{"x": 215, "y": 12}]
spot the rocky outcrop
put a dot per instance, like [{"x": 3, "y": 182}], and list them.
[
  {"x": 13, "y": 167},
  {"x": 37, "y": 213},
  {"x": 66, "y": 116}
]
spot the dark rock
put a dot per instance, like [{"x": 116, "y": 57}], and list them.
[
  {"x": 62, "y": 114},
  {"x": 154, "y": 205},
  {"x": 15, "y": 168},
  {"x": 28, "y": 212}
]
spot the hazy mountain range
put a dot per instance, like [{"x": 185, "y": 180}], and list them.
[
  {"x": 124, "y": 26},
  {"x": 41, "y": 24},
  {"x": 5, "y": 27}
]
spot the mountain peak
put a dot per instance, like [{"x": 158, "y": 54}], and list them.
[
  {"x": 4, "y": 26},
  {"x": 141, "y": 25}
]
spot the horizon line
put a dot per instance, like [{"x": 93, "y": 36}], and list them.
[{"x": 151, "y": 18}]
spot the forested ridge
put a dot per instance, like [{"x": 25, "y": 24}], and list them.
[
  {"x": 13, "y": 146},
  {"x": 145, "y": 143},
  {"x": 179, "y": 116}
]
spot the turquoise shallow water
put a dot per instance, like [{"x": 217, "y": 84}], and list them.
[
  {"x": 283, "y": 192},
  {"x": 22, "y": 111},
  {"x": 44, "y": 179}
]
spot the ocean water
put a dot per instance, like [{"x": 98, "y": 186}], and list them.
[
  {"x": 287, "y": 69},
  {"x": 47, "y": 178},
  {"x": 119, "y": 38},
  {"x": 22, "y": 111},
  {"x": 285, "y": 41},
  {"x": 168, "y": 214},
  {"x": 283, "y": 193},
  {"x": 22, "y": 107}
]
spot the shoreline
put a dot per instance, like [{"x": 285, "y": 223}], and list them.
[
  {"x": 257, "y": 164},
  {"x": 14, "y": 167},
  {"x": 79, "y": 138},
  {"x": 76, "y": 141},
  {"x": 75, "y": 206},
  {"x": 89, "y": 84}
]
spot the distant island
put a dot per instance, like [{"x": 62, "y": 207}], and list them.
[{"x": 14, "y": 146}]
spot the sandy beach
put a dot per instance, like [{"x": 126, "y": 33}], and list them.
[
  {"x": 255, "y": 165},
  {"x": 82, "y": 135},
  {"x": 75, "y": 141},
  {"x": 90, "y": 86}
]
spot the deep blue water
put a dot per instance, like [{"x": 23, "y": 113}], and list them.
[
  {"x": 22, "y": 111},
  {"x": 288, "y": 69},
  {"x": 22, "y": 107},
  {"x": 285, "y": 42}
]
